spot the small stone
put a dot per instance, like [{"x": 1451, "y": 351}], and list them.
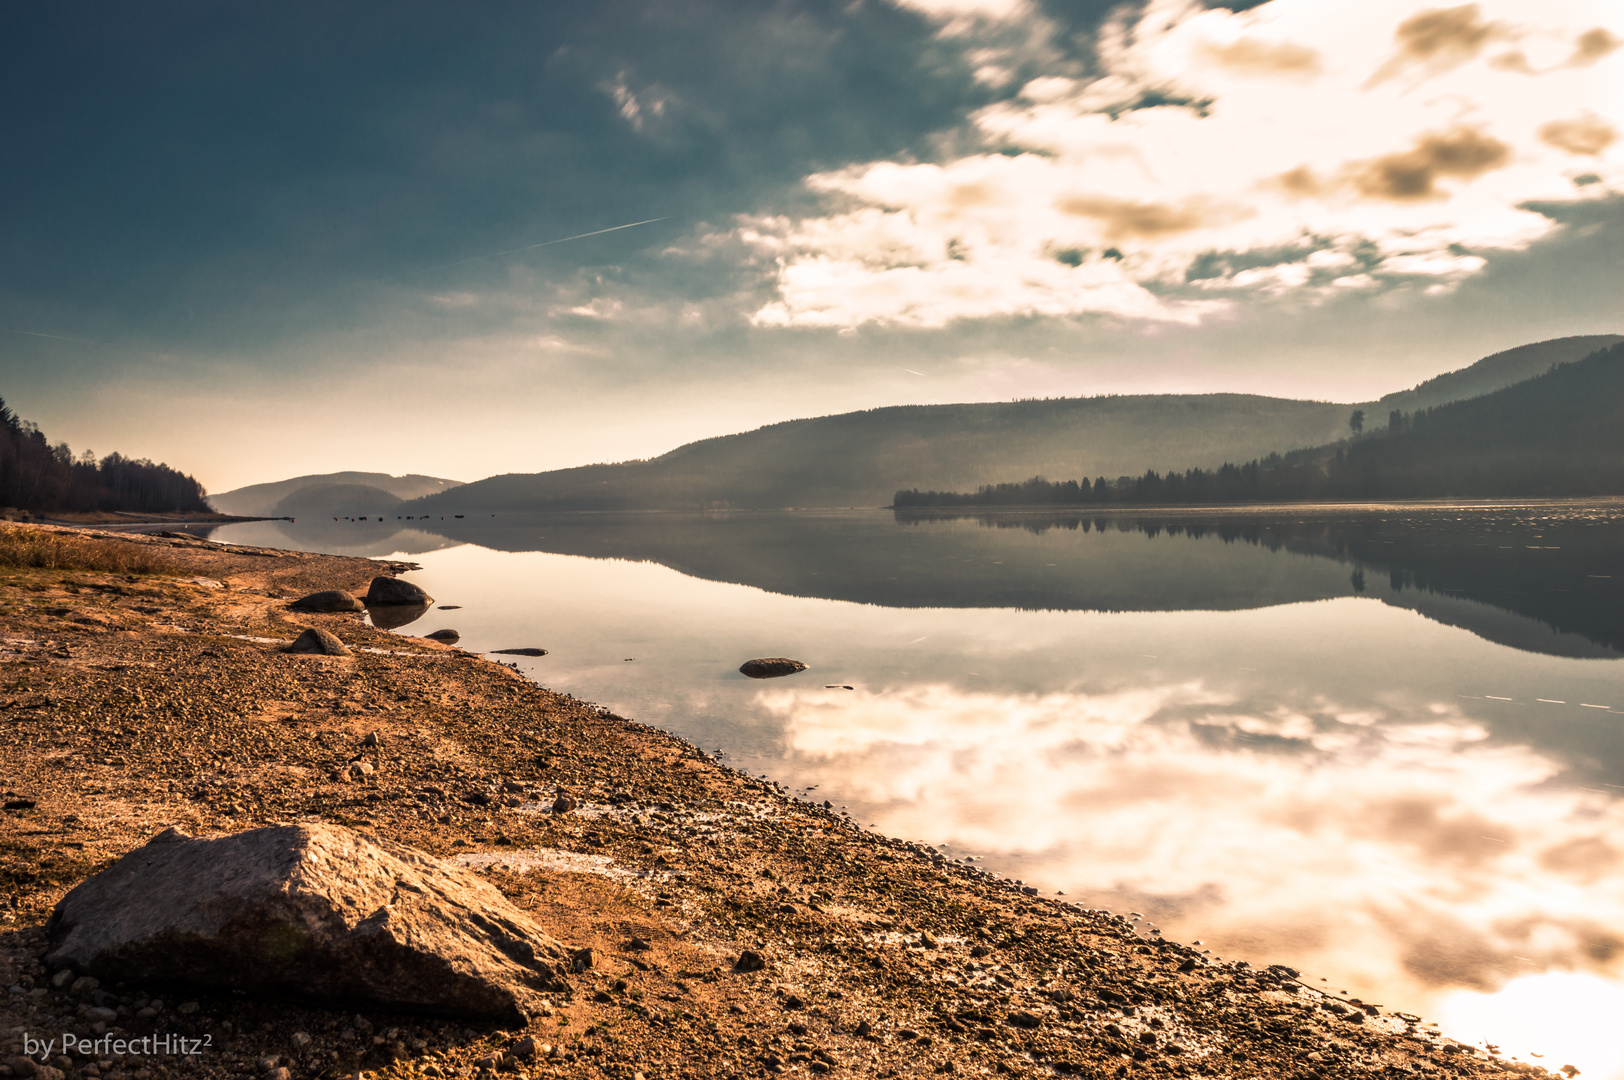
[
  {"x": 187, "y": 1008},
  {"x": 525, "y": 1049},
  {"x": 106, "y": 1016},
  {"x": 583, "y": 959},
  {"x": 299, "y": 1039},
  {"x": 318, "y": 642},
  {"x": 448, "y": 636},
  {"x": 750, "y": 960},
  {"x": 564, "y": 803},
  {"x": 278, "y": 1073},
  {"x": 370, "y": 739},
  {"x": 143, "y": 1014},
  {"x": 520, "y": 652},
  {"x": 266, "y": 1064},
  {"x": 328, "y": 600},
  {"x": 84, "y": 985},
  {"x": 1027, "y": 1020},
  {"x": 62, "y": 978},
  {"x": 926, "y": 941},
  {"x": 770, "y": 667}
]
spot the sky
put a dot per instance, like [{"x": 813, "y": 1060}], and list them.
[{"x": 256, "y": 241}]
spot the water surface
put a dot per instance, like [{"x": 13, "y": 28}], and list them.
[{"x": 1384, "y": 747}]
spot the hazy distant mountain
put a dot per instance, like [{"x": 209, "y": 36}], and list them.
[
  {"x": 863, "y": 458},
  {"x": 1490, "y": 374},
  {"x": 859, "y": 459},
  {"x": 337, "y": 500},
  {"x": 261, "y": 500}
]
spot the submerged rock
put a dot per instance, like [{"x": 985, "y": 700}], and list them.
[
  {"x": 385, "y": 591},
  {"x": 448, "y": 636},
  {"x": 328, "y": 600},
  {"x": 770, "y": 667},
  {"x": 519, "y": 652},
  {"x": 311, "y": 911},
  {"x": 320, "y": 642}
]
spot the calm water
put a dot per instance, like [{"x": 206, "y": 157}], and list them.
[{"x": 1384, "y": 747}]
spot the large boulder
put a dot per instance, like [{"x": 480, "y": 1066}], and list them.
[
  {"x": 770, "y": 667},
  {"x": 328, "y": 600},
  {"x": 320, "y": 642},
  {"x": 313, "y": 911},
  {"x": 386, "y": 591}
]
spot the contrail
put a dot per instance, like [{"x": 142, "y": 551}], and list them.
[
  {"x": 911, "y": 371},
  {"x": 53, "y": 337},
  {"x": 544, "y": 243}
]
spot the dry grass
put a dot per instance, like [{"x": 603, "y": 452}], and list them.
[{"x": 49, "y": 550}]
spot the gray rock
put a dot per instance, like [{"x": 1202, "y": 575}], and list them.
[
  {"x": 770, "y": 667},
  {"x": 310, "y": 911},
  {"x": 320, "y": 642},
  {"x": 520, "y": 652},
  {"x": 386, "y": 591},
  {"x": 330, "y": 600},
  {"x": 450, "y": 637}
]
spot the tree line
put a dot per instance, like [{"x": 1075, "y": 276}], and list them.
[
  {"x": 40, "y": 477},
  {"x": 1559, "y": 434}
]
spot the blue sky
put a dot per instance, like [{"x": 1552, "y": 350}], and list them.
[{"x": 259, "y": 240}]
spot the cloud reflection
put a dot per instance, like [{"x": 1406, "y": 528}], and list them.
[{"x": 1396, "y": 848}]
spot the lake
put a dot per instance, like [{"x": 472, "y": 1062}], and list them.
[{"x": 1382, "y": 745}]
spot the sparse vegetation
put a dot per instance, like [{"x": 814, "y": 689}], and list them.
[{"x": 45, "y": 549}]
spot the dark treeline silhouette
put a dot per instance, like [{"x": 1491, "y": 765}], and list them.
[
  {"x": 39, "y": 477},
  {"x": 1559, "y": 434}
]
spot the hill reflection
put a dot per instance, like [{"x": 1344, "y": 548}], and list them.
[{"x": 1543, "y": 578}]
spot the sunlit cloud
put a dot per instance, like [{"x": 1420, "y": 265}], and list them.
[{"x": 1401, "y": 141}]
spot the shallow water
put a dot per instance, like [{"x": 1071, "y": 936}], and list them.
[{"x": 1386, "y": 747}]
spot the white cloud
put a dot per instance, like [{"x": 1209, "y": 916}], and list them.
[{"x": 1366, "y": 141}]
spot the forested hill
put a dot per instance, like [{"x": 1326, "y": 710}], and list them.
[
  {"x": 860, "y": 459},
  {"x": 1560, "y": 434},
  {"x": 41, "y": 478},
  {"x": 1493, "y": 373},
  {"x": 863, "y": 458}
]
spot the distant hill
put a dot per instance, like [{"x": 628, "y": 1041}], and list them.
[
  {"x": 1492, "y": 373},
  {"x": 858, "y": 459},
  {"x": 337, "y": 500},
  {"x": 261, "y": 500},
  {"x": 864, "y": 458},
  {"x": 1558, "y": 434}
]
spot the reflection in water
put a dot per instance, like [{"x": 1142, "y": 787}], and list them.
[
  {"x": 1224, "y": 731},
  {"x": 394, "y": 616}
]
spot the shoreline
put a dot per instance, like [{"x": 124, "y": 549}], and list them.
[{"x": 132, "y": 703}]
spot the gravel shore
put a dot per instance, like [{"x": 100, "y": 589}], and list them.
[{"x": 734, "y": 932}]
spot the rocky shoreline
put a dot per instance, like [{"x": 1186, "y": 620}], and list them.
[{"x": 733, "y": 932}]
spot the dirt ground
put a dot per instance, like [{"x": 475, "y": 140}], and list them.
[{"x": 132, "y": 703}]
